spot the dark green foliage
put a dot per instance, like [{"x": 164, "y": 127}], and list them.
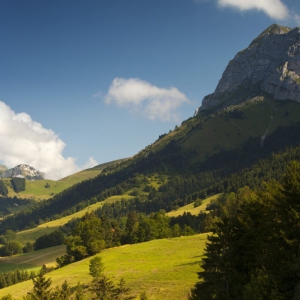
[
  {"x": 88, "y": 238},
  {"x": 10, "y": 278},
  {"x": 18, "y": 184},
  {"x": 9, "y": 205},
  {"x": 79, "y": 293},
  {"x": 29, "y": 247},
  {"x": 197, "y": 203},
  {"x": 62, "y": 293},
  {"x": 103, "y": 286},
  {"x": 54, "y": 238},
  {"x": 96, "y": 267},
  {"x": 104, "y": 289},
  {"x": 41, "y": 288},
  {"x": 11, "y": 248},
  {"x": 254, "y": 250},
  {"x": 3, "y": 188}
]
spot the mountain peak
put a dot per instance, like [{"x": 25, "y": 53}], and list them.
[
  {"x": 273, "y": 29},
  {"x": 24, "y": 171},
  {"x": 271, "y": 64}
]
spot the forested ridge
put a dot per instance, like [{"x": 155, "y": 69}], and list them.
[{"x": 224, "y": 171}]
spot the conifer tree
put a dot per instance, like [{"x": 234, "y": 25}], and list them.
[{"x": 41, "y": 287}]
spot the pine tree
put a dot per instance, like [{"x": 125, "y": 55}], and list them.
[
  {"x": 103, "y": 287},
  {"x": 41, "y": 287},
  {"x": 122, "y": 292}
]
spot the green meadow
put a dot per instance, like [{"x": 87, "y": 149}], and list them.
[
  {"x": 191, "y": 209},
  {"x": 37, "y": 189},
  {"x": 164, "y": 269}
]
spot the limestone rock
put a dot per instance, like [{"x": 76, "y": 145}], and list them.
[{"x": 270, "y": 64}]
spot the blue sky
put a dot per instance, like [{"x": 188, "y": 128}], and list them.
[{"x": 86, "y": 82}]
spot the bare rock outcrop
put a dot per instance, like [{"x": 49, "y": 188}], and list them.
[{"x": 270, "y": 64}]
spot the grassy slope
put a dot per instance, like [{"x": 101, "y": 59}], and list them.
[
  {"x": 191, "y": 209},
  {"x": 88, "y": 173},
  {"x": 208, "y": 134},
  {"x": 220, "y": 132},
  {"x": 164, "y": 269},
  {"x": 36, "y": 189}
]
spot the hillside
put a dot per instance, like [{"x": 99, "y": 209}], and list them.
[
  {"x": 88, "y": 173},
  {"x": 169, "y": 275}
]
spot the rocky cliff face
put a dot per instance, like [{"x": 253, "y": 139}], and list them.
[
  {"x": 23, "y": 171},
  {"x": 270, "y": 64}
]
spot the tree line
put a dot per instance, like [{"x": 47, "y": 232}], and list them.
[
  {"x": 214, "y": 175},
  {"x": 91, "y": 234},
  {"x": 253, "y": 252}
]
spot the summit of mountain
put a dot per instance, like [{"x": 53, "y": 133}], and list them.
[
  {"x": 23, "y": 171},
  {"x": 270, "y": 64}
]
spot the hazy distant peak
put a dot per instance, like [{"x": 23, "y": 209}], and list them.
[{"x": 23, "y": 171}]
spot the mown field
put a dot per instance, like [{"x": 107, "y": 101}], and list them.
[
  {"x": 164, "y": 269},
  {"x": 32, "y": 261}
]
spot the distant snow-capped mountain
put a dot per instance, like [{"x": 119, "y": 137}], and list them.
[{"x": 23, "y": 171}]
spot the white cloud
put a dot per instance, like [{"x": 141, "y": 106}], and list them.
[
  {"x": 90, "y": 163},
  {"x": 143, "y": 98},
  {"x": 273, "y": 8},
  {"x": 24, "y": 141},
  {"x": 297, "y": 19}
]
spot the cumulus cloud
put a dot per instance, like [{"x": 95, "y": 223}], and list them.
[
  {"x": 297, "y": 19},
  {"x": 90, "y": 163},
  {"x": 273, "y": 8},
  {"x": 24, "y": 141},
  {"x": 148, "y": 100}
]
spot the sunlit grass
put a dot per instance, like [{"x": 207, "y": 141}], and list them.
[
  {"x": 164, "y": 269},
  {"x": 191, "y": 209}
]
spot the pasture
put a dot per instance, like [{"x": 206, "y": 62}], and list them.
[{"x": 164, "y": 269}]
